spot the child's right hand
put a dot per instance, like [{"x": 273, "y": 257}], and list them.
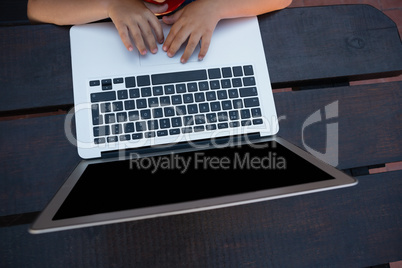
[{"x": 136, "y": 19}]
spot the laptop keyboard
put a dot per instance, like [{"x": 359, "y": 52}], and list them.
[{"x": 158, "y": 105}]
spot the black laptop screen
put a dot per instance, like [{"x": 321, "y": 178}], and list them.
[{"x": 190, "y": 176}]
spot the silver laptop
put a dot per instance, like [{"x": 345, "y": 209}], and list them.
[{"x": 163, "y": 138}]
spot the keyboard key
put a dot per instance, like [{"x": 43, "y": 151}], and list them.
[
  {"x": 129, "y": 105},
  {"x": 236, "y": 82},
  {"x": 237, "y": 71},
  {"x": 178, "y": 77},
  {"x": 248, "y": 92},
  {"x": 164, "y": 101},
  {"x": 96, "y": 117},
  {"x": 199, "y": 119},
  {"x": 137, "y": 136},
  {"x": 130, "y": 81},
  {"x": 214, "y": 84},
  {"x": 256, "y": 112},
  {"x": 214, "y": 73},
  {"x": 203, "y": 86},
  {"x": 234, "y": 124},
  {"x": 248, "y": 70},
  {"x": 118, "y": 80},
  {"x": 199, "y": 128},
  {"x": 146, "y": 92},
  {"x": 117, "y": 129},
  {"x": 99, "y": 140},
  {"x": 164, "y": 123},
  {"x": 186, "y": 130},
  {"x": 175, "y": 131},
  {"x": 181, "y": 110},
  {"x": 158, "y": 90},
  {"x": 103, "y": 96},
  {"x": 153, "y": 102},
  {"x": 257, "y": 121},
  {"x": 124, "y": 137},
  {"x": 101, "y": 131},
  {"x": 199, "y": 97},
  {"x": 169, "y": 89},
  {"x": 226, "y": 83},
  {"x": 188, "y": 98},
  {"x": 169, "y": 111},
  {"x": 122, "y": 94},
  {"x": 234, "y": 115},
  {"x": 140, "y": 126},
  {"x": 157, "y": 113},
  {"x": 94, "y": 83},
  {"x": 233, "y": 93},
  {"x": 245, "y": 114},
  {"x": 110, "y": 119},
  {"x": 223, "y": 125},
  {"x": 204, "y": 107},
  {"x": 211, "y": 118},
  {"x": 180, "y": 88},
  {"x": 215, "y": 106},
  {"x": 226, "y": 72},
  {"x": 143, "y": 80},
  {"x": 211, "y": 95},
  {"x": 134, "y": 93},
  {"x": 223, "y": 116},
  {"x": 192, "y": 87},
  {"x": 112, "y": 139},
  {"x": 151, "y": 134},
  {"x": 153, "y": 125},
  {"x": 162, "y": 133},
  {"x": 226, "y": 105},
  {"x": 188, "y": 120},
  {"x": 237, "y": 104},
  {"x": 251, "y": 102},
  {"x": 192, "y": 109},
  {"x": 176, "y": 99},
  {"x": 222, "y": 94},
  {"x": 106, "y": 84},
  {"x": 133, "y": 116},
  {"x": 141, "y": 103},
  {"x": 121, "y": 117},
  {"x": 117, "y": 106},
  {"x": 249, "y": 81},
  {"x": 128, "y": 127},
  {"x": 176, "y": 122},
  {"x": 145, "y": 114}
]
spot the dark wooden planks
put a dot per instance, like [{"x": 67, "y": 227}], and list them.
[
  {"x": 36, "y": 156},
  {"x": 343, "y": 43},
  {"x": 13, "y": 12},
  {"x": 368, "y": 118},
  {"x": 35, "y": 67},
  {"x": 351, "y": 227},
  {"x": 303, "y": 45}
]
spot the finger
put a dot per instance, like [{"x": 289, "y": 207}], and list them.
[
  {"x": 157, "y": 28},
  {"x": 171, "y": 36},
  {"x": 124, "y": 36},
  {"x": 205, "y": 42},
  {"x": 177, "y": 42},
  {"x": 135, "y": 32},
  {"x": 191, "y": 45},
  {"x": 148, "y": 36}
]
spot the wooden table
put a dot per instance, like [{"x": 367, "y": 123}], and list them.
[{"x": 316, "y": 51}]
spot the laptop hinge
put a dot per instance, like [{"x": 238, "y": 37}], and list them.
[{"x": 197, "y": 145}]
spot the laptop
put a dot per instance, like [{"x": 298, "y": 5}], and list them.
[{"x": 161, "y": 138}]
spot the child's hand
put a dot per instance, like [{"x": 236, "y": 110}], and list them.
[
  {"x": 194, "y": 22},
  {"x": 136, "y": 19}
]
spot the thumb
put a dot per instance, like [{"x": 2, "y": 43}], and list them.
[
  {"x": 172, "y": 18},
  {"x": 156, "y": 9}
]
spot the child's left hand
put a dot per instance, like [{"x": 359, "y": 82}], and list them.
[{"x": 195, "y": 22}]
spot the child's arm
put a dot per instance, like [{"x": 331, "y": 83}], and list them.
[
  {"x": 131, "y": 17},
  {"x": 198, "y": 20}
]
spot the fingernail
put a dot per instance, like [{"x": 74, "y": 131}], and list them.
[
  {"x": 200, "y": 58},
  {"x": 143, "y": 52},
  {"x": 154, "y": 50},
  {"x": 130, "y": 48},
  {"x": 164, "y": 48},
  {"x": 182, "y": 60}
]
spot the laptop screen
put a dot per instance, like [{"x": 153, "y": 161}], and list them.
[{"x": 190, "y": 176}]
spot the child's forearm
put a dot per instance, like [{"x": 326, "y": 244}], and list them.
[
  {"x": 67, "y": 12},
  {"x": 242, "y": 8}
]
